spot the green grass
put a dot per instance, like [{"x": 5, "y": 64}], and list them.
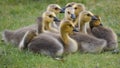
[{"x": 18, "y": 13}]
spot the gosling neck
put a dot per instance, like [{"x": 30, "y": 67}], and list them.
[
  {"x": 46, "y": 25},
  {"x": 64, "y": 37},
  {"x": 77, "y": 15},
  {"x": 70, "y": 44},
  {"x": 83, "y": 27}
]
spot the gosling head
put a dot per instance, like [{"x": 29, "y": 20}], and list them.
[
  {"x": 95, "y": 22},
  {"x": 31, "y": 35},
  {"x": 70, "y": 13},
  {"x": 87, "y": 16},
  {"x": 67, "y": 27},
  {"x": 78, "y": 8},
  {"x": 50, "y": 17},
  {"x": 68, "y": 5},
  {"x": 55, "y": 8}
]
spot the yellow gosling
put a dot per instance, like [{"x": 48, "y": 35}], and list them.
[{"x": 52, "y": 44}]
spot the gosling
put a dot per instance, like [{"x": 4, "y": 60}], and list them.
[
  {"x": 99, "y": 31},
  {"x": 16, "y": 36},
  {"x": 88, "y": 43},
  {"x": 61, "y": 43}
]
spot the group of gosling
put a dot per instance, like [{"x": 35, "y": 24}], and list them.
[{"x": 79, "y": 30}]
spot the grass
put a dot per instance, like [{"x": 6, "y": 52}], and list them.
[{"x": 19, "y": 13}]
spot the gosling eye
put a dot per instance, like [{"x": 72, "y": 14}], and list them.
[
  {"x": 75, "y": 8},
  {"x": 50, "y": 16},
  {"x": 70, "y": 25},
  {"x": 68, "y": 12},
  {"x": 69, "y": 6},
  {"x": 56, "y": 8},
  {"x": 88, "y": 14}
]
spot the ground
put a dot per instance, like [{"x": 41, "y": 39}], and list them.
[{"x": 15, "y": 14}]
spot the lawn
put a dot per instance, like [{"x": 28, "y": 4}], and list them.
[{"x": 15, "y": 14}]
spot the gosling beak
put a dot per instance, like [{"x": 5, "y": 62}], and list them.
[
  {"x": 73, "y": 16},
  {"x": 66, "y": 7},
  {"x": 62, "y": 10},
  {"x": 75, "y": 29},
  {"x": 56, "y": 19},
  {"x": 94, "y": 18}
]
